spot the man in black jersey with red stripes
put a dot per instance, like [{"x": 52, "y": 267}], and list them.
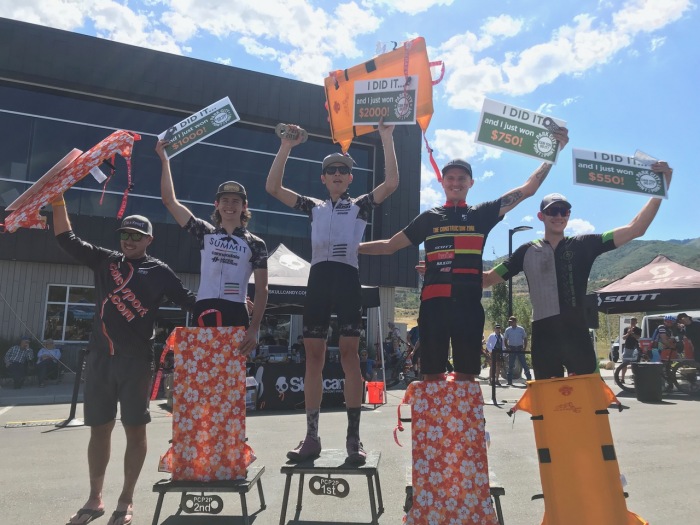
[{"x": 454, "y": 235}]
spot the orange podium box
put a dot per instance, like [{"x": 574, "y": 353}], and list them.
[
  {"x": 450, "y": 473},
  {"x": 209, "y": 405},
  {"x": 578, "y": 465}
]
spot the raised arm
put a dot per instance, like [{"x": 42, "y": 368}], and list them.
[
  {"x": 273, "y": 185},
  {"x": 386, "y": 246},
  {"x": 180, "y": 213},
  {"x": 638, "y": 226},
  {"x": 391, "y": 167},
  {"x": 514, "y": 197},
  {"x": 61, "y": 222}
]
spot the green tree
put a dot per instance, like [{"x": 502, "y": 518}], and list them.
[{"x": 497, "y": 310}]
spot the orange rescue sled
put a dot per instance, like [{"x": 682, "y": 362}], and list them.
[
  {"x": 578, "y": 465},
  {"x": 411, "y": 58}
]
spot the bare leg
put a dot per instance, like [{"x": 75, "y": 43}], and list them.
[
  {"x": 134, "y": 456},
  {"x": 350, "y": 359},
  {"x": 313, "y": 382},
  {"x": 99, "y": 450}
]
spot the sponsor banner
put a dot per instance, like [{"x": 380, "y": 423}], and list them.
[
  {"x": 199, "y": 126},
  {"x": 627, "y": 298},
  {"x": 618, "y": 172},
  {"x": 518, "y": 130},
  {"x": 393, "y": 99},
  {"x": 281, "y": 385}
]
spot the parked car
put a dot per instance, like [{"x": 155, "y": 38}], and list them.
[{"x": 614, "y": 355}]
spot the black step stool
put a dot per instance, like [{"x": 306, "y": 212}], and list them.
[
  {"x": 333, "y": 463},
  {"x": 241, "y": 486}
]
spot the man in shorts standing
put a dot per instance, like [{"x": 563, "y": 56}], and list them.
[
  {"x": 337, "y": 227},
  {"x": 557, "y": 269},
  {"x": 630, "y": 346},
  {"x": 454, "y": 236},
  {"x": 129, "y": 287}
]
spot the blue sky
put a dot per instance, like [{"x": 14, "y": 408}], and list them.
[{"x": 622, "y": 74}]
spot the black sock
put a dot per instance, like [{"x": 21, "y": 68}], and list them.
[
  {"x": 312, "y": 423},
  {"x": 354, "y": 422}
]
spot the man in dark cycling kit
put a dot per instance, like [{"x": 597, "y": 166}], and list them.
[
  {"x": 337, "y": 227},
  {"x": 129, "y": 287},
  {"x": 557, "y": 269},
  {"x": 230, "y": 253},
  {"x": 454, "y": 235}
]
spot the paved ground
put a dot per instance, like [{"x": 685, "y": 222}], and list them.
[{"x": 43, "y": 471}]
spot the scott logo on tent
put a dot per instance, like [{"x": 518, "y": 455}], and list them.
[{"x": 628, "y": 298}]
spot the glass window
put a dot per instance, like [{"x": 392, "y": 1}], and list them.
[
  {"x": 242, "y": 152},
  {"x": 274, "y": 330},
  {"x": 69, "y": 312},
  {"x": 14, "y": 146}
]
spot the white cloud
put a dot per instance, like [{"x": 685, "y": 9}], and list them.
[
  {"x": 486, "y": 175},
  {"x": 254, "y": 48},
  {"x": 579, "y": 227},
  {"x": 68, "y": 15},
  {"x": 305, "y": 40},
  {"x": 224, "y": 61},
  {"x": 527, "y": 218},
  {"x": 573, "y": 49},
  {"x": 457, "y": 143},
  {"x": 431, "y": 193},
  {"x": 656, "y": 43},
  {"x": 411, "y": 7}
]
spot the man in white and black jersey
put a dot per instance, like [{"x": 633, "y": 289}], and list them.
[
  {"x": 230, "y": 253},
  {"x": 337, "y": 226},
  {"x": 129, "y": 288}
]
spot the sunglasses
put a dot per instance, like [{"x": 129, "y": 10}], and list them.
[
  {"x": 557, "y": 210},
  {"x": 134, "y": 236},
  {"x": 331, "y": 170}
]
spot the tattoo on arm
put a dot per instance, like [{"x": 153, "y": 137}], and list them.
[
  {"x": 511, "y": 199},
  {"x": 542, "y": 173}
]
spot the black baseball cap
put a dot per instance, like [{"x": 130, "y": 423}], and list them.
[
  {"x": 554, "y": 198},
  {"x": 231, "y": 187},
  {"x": 497, "y": 326},
  {"x": 137, "y": 223},
  {"x": 458, "y": 163}
]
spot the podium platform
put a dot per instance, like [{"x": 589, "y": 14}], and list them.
[
  {"x": 332, "y": 462},
  {"x": 240, "y": 486}
]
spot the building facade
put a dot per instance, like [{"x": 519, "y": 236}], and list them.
[{"x": 61, "y": 90}]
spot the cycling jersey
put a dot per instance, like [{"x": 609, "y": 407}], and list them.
[
  {"x": 128, "y": 293},
  {"x": 454, "y": 239},
  {"x": 227, "y": 260},
  {"x": 451, "y": 310},
  {"x": 337, "y": 228},
  {"x": 557, "y": 278}
]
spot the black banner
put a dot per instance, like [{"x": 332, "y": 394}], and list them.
[{"x": 281, "y": 386}]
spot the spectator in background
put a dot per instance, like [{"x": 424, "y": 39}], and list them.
[
  {"x": 516, "y": 346},
  {"x": 367, "y": 366},
  {"x": 298, "y": 349},
  {"x": 494, "y": 345},
  {"x": 47, "y": 361},
  {"x": 16, "y": 360},
  {"x": 692, "y": 332}
]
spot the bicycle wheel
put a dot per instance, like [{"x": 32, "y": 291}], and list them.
[
  {"x": 628, "y": 385},
  {"x": 685, "y": 377}
]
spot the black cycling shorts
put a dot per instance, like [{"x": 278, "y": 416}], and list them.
[
  {"x": 220, "y": 312},
  {"x": 562, "y": 341},
  {"x": 456, "y": 320},
  {"x": 122, "y": 379},
  {"x": 333, "y": 288}
]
